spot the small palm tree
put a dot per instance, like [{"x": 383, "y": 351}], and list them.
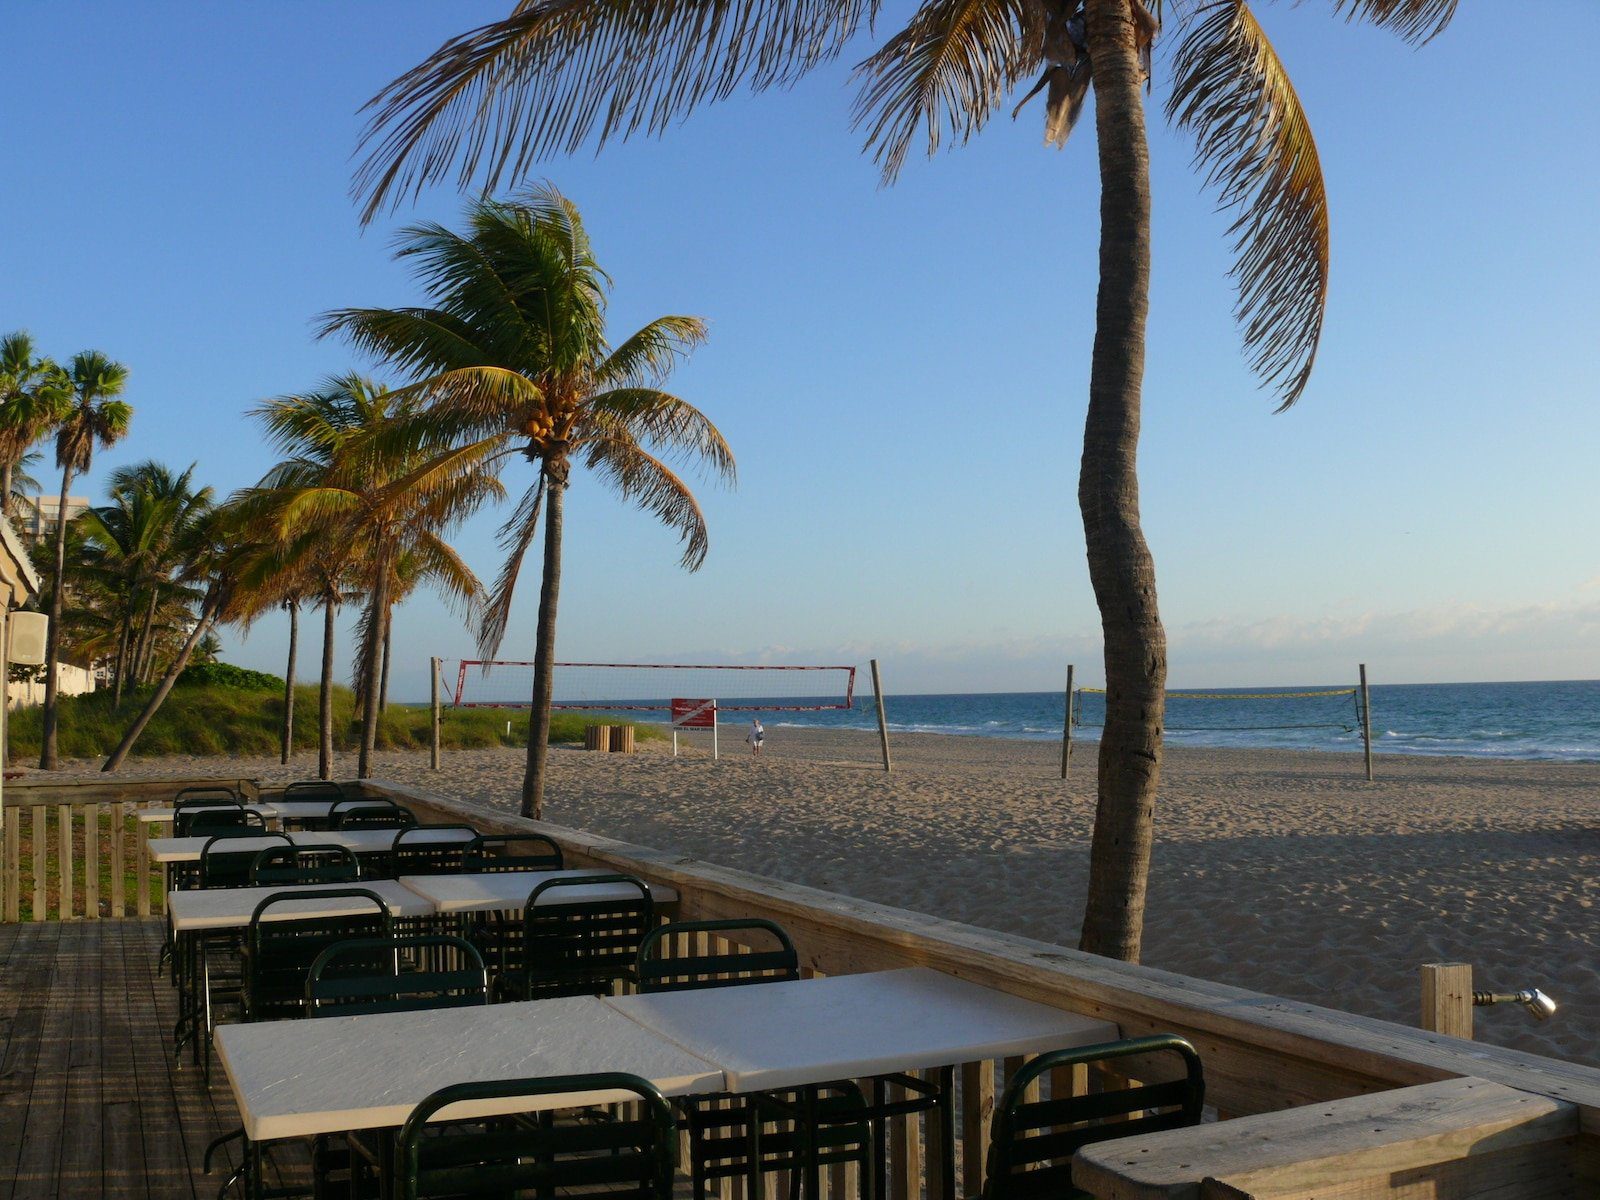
[
  {"x": 34, "y": 393},
  {"x": 135, "y": 544},
  {"x": 513, "y": 357},
  {"x": 352, "y": 475},
  {"x": 554, "y": 75},
  {"x": 95, "y": 418}
]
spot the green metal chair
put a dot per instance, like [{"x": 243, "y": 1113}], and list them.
[
  {"x": 819, "y": 1126},
  {"x": 370, "y": 814},
  {"x": 197, "y": 818},
  {"x": 573, "y": 946},
  {"x": 278, "y": 953},
  {"x": 631, "y": 1157},
  {"x": 418, "y": 850},
  {"x": 293, "y": 864},
  {"x": 396, "y": 974},
  {"x": 516, "y": 852},
  {"x": 311, "y": 790},
  {"x": 1032, "y": 1141},
  {"x": 226, "y": 858}
]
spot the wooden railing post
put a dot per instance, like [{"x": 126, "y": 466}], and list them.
[
  {"x": 41, "y": 858},
  {"x": 91, "y": 861},
  {"x": 1447, "y": 998},
  {"x": 977, "y": 1109}
]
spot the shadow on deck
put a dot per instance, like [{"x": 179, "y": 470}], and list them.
[{"x": 92, "y": 1102}]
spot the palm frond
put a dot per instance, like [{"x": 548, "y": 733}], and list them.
[
  {"x": 646, "y": 481},
  {"x": 557, "y": 72},
  {"x": 1416, "y": 21},
  {"x": 945, "y": 72},
  {"x": 649, "y": 355},
  {"x": 1254, "y": 144},
  {"x": 666, "y": 422},
  {"x": 516, "y": 535}
]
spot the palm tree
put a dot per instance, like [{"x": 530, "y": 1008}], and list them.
[
  {"x": 225, "y": 556},
  {"x": 513, "y": 356},
  {"x": 135, "y": 545},
  {"x": 33, "y": 398},
  {"x": 352, "y": 474},
  {"x": 556, "y": 73},
  {"x": 95, "y": 418}
]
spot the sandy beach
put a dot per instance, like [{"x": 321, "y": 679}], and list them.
[{"x": 1276, "y": 870}]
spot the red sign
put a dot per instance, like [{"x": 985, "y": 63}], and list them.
[{"x": 694, "y": 714}]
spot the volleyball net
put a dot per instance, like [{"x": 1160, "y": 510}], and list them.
[
  {"x": 1229, "y": 712},
  {"x": 651, "y": 687}
]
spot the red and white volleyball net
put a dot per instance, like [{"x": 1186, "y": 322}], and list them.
[{"x": 651, "y": 687}]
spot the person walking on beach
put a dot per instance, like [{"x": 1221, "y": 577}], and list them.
[{"x": 757, "y": 736}]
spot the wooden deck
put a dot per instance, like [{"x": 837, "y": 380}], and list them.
[{"x": 91, "y": 1101}]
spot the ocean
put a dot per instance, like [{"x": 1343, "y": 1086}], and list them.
[{"x": 1538, "y": 721}]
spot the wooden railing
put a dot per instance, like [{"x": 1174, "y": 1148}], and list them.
[
  {"x": 77, "y": 851},
  {"x": 1262, "y": 1053}
]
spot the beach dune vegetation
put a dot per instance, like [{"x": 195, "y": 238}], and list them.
[
  {"x": 512, "y": 358},
  {"x": 230, "y": 719},
  {"x": 554, "y": 76}
]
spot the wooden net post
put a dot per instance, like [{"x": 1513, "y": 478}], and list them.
[
  {"x": 883, "y": 722},
  {"x": 1066, "y": 729},
  {"x": 438, "y": 713},
  {"x": 1366, "y": 720}
]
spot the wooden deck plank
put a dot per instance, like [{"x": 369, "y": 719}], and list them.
[
  {"x": 121, "y": 1139},
  {"x": 46, "y": 1100},
  {"x": 78, "y": 1171},
  {"x": 25, "y": 985},
  {"x": 151, "y": 1011}
]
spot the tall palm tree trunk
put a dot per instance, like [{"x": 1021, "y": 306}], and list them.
[
  {"x": 287, "y": 749},
  {"x": 123, "y": 638},
  {"x": 208, "y": 618},
  {"x": 383, "y": 685},
  {"x": 1120, "y": 566},
  {"x": 325, "y": 694},
  {"x": 544, "y": 654},
  {"x": 5, "y": 489},
  {"x": 369, "y": 705},
  {"x": 144, "y": 648},
  {"x": 52, "y": 651}
]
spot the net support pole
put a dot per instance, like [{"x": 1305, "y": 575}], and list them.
[
  {"x": 883, "y": 722},
  {"x": 436, "y": 713},
  {"x": 1066, "y": 729},
  {"x": 1366, "y": 720}
]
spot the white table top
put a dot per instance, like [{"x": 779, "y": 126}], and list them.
[
  {"x": 501, "y": 891},
  {"x": 232, "y": 908},
  {"x": 267, "y": 812},
  {"x": 361, "y": 841},
  {"x": 778, "y": 1035},
  {"x": 296, "y": 1078}
]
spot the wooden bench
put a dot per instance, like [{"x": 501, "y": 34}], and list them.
[{"x": 1458, "y": 1139}]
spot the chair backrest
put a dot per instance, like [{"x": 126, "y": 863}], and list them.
[
  {"x": 278, "y": 953},
  {"x": 1032, "y": 1142},
  {"x": 432, "y": 849},
  {"x": 370, "y": 814},
  {"x": 192, "y": 818},
  {"x": 226, "y": 857},
  {"x": 631, "y": 1157},
  {"x": 516, "y": 852},
  {"x": 216, "y": 793},
  {"x": 294, "y": 864},
  {"x": 576, "y": 945},
  {"x": 372, "y": 975},
  {"x": 739, "y": 963}
]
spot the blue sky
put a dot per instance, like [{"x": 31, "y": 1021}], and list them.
[{"x": 902, "y": 371}]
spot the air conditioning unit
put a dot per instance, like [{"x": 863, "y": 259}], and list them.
[{"x": 29, "y": 630}]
